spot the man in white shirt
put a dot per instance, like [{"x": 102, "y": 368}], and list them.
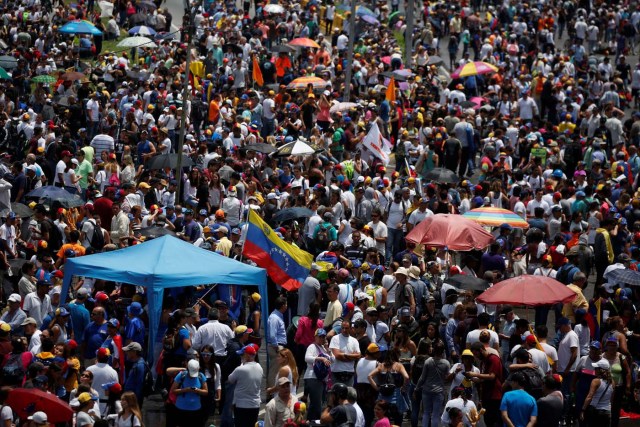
[
  {"x": 213, "y": 333},
  {"x": 38, "y": 304},
  {"x": 527, "y": 107},
  {"x": 419, "y": 214},
  {"x": 8, "y": 235},
  {"x": 102, "y": 374},
  {"x": 61, "y": 167},
  {"x": 93, "y": 114},
  {"x": 568, "y": 355},
  {"x": 346, "y": 350},
  {"x": 33, "y": 333}
]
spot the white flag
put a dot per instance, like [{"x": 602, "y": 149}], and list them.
[{"x": 376, "y": 144}]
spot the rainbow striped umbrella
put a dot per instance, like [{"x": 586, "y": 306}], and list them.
[
  {"x": 473, "y": 69},
  {"x": 495, "y": 217},
  {"x": 303, "y": 82}
]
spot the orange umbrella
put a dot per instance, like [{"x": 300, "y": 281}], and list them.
[
  {"x": 304, "y": 42},
  {"x": 455, "y": 232},
  {"x": 303, "y": 82}
]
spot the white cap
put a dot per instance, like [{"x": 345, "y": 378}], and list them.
[
  {"x": 193, "y": 367},
  {"x": 15, "y": 298},
  {"x": 39, "y": 418}
]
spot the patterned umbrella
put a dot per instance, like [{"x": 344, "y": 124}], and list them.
[
  {"x": 8, "y": 62},
  {"x": 80, "y": 27},
  {"x": 362, "y": 11},
  {"x": 44, "y": 79},
  {"x": 495, "y": 217},
  {"x": 137, "y": 41},
  {"x": 474, "y": 69},
  {"x": 295, "y": 148},
  {"x": 624, "y": 275},
  {"x": 273, "y": 8},
  {"x": 304, "y": 42},
  {"x": 302, "y": 82},
  {"x": 142, "y": 30}
]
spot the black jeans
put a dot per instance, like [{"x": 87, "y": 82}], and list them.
[{"x": 245, "y": 417}]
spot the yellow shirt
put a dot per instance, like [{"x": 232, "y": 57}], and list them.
[{"x": 579, "y": 302}]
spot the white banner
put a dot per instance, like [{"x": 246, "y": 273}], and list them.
[
  {"x": 376, "y": 144},
  {"x": 106, "y": 9}
]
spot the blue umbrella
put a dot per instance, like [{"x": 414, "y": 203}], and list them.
[
  {"x": 80, "y": 27},
  {"x": 362, "y": 11},
  {"x": 624, "y": 275},
  {"x": 142, "y": 30}
]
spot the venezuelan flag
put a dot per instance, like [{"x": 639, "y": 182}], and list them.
[
  {"x": 594, "y": 317},
  {"x": 287, "y": 265}
]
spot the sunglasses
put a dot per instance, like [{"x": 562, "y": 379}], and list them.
[{"x": 206, "y": 354}]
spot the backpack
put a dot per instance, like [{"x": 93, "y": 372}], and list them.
[
  {"x": 352, "y": 416},
  {"x": 55, "y": 236},
  {"x": 13, "y": 371},
  {"x": 114, "y": 180},
  {"x": 564, "y": 273},
  {"x": 169, "y": 340},
  {"x": 323, "y": 233},
  {"x": 320, "y": 370},
  {"x": 97, "y": 239},
  {"x": 148, "y": 382},
  {"x": 534, "y": 380}
]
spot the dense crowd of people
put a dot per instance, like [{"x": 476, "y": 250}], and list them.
[{"x": 376, "y": 335}]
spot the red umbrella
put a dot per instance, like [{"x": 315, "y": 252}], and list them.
[
  {"x": 526, "y": 290},
  {"x": 455, "y": 232},
  {"x": 26, "y": 401}
]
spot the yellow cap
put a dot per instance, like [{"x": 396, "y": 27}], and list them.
[{"x": 256, "y": 297}]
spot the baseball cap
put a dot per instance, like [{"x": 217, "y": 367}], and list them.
[
  {"x": 242, "y": 329},
  {"x": 29, "y": 321},
  {"x": 373, "y": 348},
  {"x": 563, "y": 321},
  {"x": 284, "y": 380},
  {"x": 133, "y": 346},
  {"x": 467, "y": 352},
  {"x": 405, "y": 311},
  {"x": 250, "y": 349},
  {"x": 15, "y": 298},
  {"x": 193, "y": 367},
  {"x": 85, "y": 397},
  {"x": 602, "y": 364},
  {"x": 320, "y": 332},
  {"x": 103, "y": 352},
  {"x": 40, "y": 417},
  {"x": 531, "y": 339},
  {"x": 114, "y": 323},
  {"x": 596, "y": 344}
]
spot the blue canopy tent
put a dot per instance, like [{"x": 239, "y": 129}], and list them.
[{"x": 166, "y": 262}]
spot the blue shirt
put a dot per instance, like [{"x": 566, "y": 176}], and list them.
[
  {"x": 520, "y": 406},
  {"x": 80, "y": 318},
  {"x": 135, "y": 379},
  {"x": 135, "y": 331},
  {"x": 94, "y": 336},
  {"x": 277, "y": 330},
  {"x": 189, "y": 401},
  {"x": 183, "y": 334}
]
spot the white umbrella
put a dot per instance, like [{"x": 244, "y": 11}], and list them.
[
  {"x": 295, "y": 148},
  {"x": 273, "y": 8},
  {"x": 103, "y": 138},
  {"x": 342, "y": 106},
  {"x": 137, "y": 41}
]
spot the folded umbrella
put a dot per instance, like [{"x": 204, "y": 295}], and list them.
[
  {"x": 469, "y": 283},
  {"x": 260, "y": 147}
]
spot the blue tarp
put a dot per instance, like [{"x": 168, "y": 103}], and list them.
[{"x": 166, "y": 262}]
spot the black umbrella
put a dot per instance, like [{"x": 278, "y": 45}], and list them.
[
  {"x": 50, "y": 193},
  {"x": 469, "y": 283},
  {"x": 260, "y": 148},
  {"x": 292, "y": 213},
  {"x": 442, "y": 175},
  {"x": 468, "y": 104},
  {"x": 396, "y": 76},
  {"x": 16, "y": 265},
  {"x": 234, "y": 48},
  {"x": 168, "y": 161},
  {"x": 154, "y": 232},
  {"x": 23, "y": 211},
  {"x": 283, "y": 48},
  {"x": 435, "y": 60}
]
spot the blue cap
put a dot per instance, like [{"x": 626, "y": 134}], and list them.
[
  {"x": 564, "y": 321},
  {"x": 203, "y": 212},
  {"x": 366, "y": 277},
  {"x": 356, "y": 263},
  {"x": 557, "y": 173},
  {"x": 135, "y": 308},
  {"x": 347, "y": 119},
  {"x": 595, "y": 344},
  {"x": 321, "y": 332},
  {"x": 11, "y": 215},
  {"x": 505, "y": 226},
  {"x": 580, "y": 194},
  {"x": 383, "y": 347},
  {"x": 69, "y": 253}
]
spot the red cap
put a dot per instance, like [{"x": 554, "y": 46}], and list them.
[
  {"x": 531, "y": 339},
  {"x": 101, "y": 296},
  {"x": 72, "y": 344},
  {"x": 115, "y": 388},
  {"x": 59, "y": 274},
  {"x": 65, "y": 153},
  {"x": 454, "y": 270},
  {"x": 350, "y": 306},
  {"x": 102, "y": 352}
]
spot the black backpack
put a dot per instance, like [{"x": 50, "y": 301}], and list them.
[
  {"x": 148, "y": 383},
  {"x": 563, "y": 273},
  {"x": 534, "y": 382},
  {"x": 13, "y": 371},
  {"x": 97, "y": 239}
]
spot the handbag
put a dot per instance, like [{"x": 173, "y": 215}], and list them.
[
  {"x": 591, "y": 409},
  {"x": 389, "y": 387}
]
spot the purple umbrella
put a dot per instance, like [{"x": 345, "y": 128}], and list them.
[
  {"x": 370, "y": 19},
  {"x": 401, "y": 85}
]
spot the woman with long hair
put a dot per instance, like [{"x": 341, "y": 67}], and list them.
[
  {"x": 431, "y": 385},
  {"x": 216, "y": 192},
  {"x": 459, "y": 314},
  {"x": 307, "y": 326},
  {"x": 211, "y": 371},
  {"x": 390, "y": 379},
  {"x": 417, "y": 363},
  {"x": 621, "y": 375},
  {"x": 616, "y": 330},
  {"x": 130, "y": 408},
  {"x": 406, "y": 347},
  {"x": 287, "y": 369},
  {"x": 596, "y": 409}
]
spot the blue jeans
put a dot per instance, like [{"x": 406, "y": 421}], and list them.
[
  {"x": 394, "y": 242},
  {"x": 226, "y": 419},
  {"x": 415, "y": 405},
  {"x": 432, "y": 406},
  {"x": 566, "y": 391}
]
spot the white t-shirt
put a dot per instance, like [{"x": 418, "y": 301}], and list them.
[
  {"x": 346, "y": 345},
  {"x": 6, "y": 414},
  {"x": 550, "y": 351},
  {"x": 474, "y": 336},
  {"x": 564, "y": 351},
  {"x": 126, "y": 422},
  {"x": 60, "y": 168},
  {"x": 379, "y": 230},
  {"x": 363, "y": 368}
]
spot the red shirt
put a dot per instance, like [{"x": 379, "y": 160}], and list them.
[
  {"x": 102, "y": 208},
  {"x": 492, "y": 390}
]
